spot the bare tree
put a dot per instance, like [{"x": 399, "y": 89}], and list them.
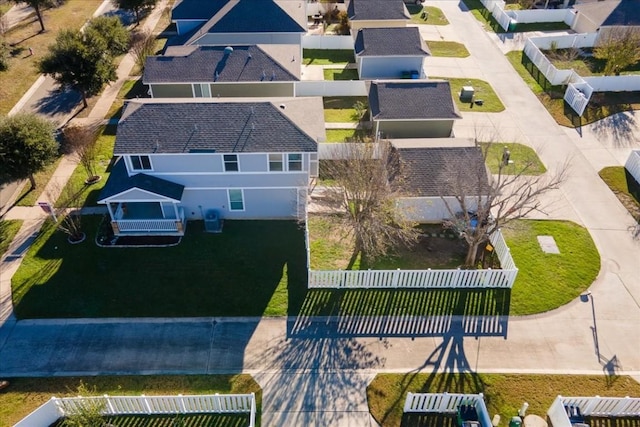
[
  {"x": 83, "y": 142},
  {"x": 361, "y": 173},
  {"x": 143, "y": 44},
  {"x": 482, "y": 205},
  {"x": 619, "y": 47},
  {"x": 67, "y": 210}
]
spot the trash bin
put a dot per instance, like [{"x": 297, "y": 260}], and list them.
[
  {"x": 515, "y": 422},
  {"x": 512, "y": 25}
]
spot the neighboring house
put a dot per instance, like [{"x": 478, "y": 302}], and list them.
[
  {"x": 387, "y": 53},
  {"x": 600, "y": 15},
  {"x": 218, "y": 71},
  {"x": 433, "y": 172},
  {"x": 412, "y": 109},
  {"x": 247, "y": 159},
  {"x": 377, "y": 13},
  {"x": 241, "y": 22}
]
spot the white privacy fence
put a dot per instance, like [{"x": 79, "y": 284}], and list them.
[
  {"x": 445, "y": 403},
  {"x": 312, "y": 41},
  {"x": 633, "y": 165},
  {"x": 57, "y": 408},
  {"x": 592, "y": 406},
  {"x": 506, "y": 17},
  {"x": 331, "y": 88},
  {"x": 421, "y": 279},
  {"x": 496, "y": 7}
]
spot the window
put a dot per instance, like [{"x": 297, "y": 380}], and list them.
[
  {"x": 140, "y": 163},
  {"x": 295, "y": 162},
  {"x": 236, "y": 200},
  {"x": 275, "y": 163},
  {"x": 313, "y": 164},
  {"x": 201, "y": 90},
  {"x": 231, "y": 163}
]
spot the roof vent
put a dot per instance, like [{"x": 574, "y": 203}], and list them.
[
  {"x": 282, "y": 106},
  {"x": 228, "y": 51}
]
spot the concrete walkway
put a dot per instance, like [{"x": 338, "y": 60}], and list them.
[{"x": 314, "y": 371}]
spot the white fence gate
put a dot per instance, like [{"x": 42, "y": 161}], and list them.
[
  {"x": 56, "y": 408},
  {"x": 592, "y": 406},
  {"x": 576, "y": 98},
  {"x": 445, "y": 403},
  {"x": 331, "y": 88},
  {"x": 633, "y": 165},
  {"x": 311, "y": 41}
]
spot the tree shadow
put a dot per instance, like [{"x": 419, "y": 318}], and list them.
[
  {"x": 618, "y": 129},
  {"x": 58, "y": 101}
]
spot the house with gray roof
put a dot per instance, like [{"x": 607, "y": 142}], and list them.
[
  {"x": 240, "y": 22},
  {"x": 412, "y": 109},
  {"x": 595, "y": 16},
  {"x": 223, "y": 71},
  {"x": 388, "y": 53},
  {"x": 377, "y": 14},
  {"x": 242, "y": 158},
  {"x": 438, "y": 175}
]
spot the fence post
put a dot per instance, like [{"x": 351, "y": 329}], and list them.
[
  {"x": 252, "y": 416},
  {"x": 109, "y": 404},
  {"x": 407, "y": 402},
  {"x": 183, "y": 407},
  {"x": 146, "y": 404}
]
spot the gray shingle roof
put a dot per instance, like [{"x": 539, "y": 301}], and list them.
[
  {"x": 612, "y": 12},
  {"x": 390, "y": 42},
  {"x": 443, "y": 171},
  {"x": 257, "y": 16},
  {"x": 411, "y": 100},
  {"x": 374, "y": 10},
  {"x": 224, "y": 127},
  {"x": 210, "y": 63},
  {"x": 196, "y": 9},
  {"x": 119, "y": 181}
]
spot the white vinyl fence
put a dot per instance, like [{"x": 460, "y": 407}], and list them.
[
  {"x": 633, "y": 164},
  {"x": 311, "y": 41},
  {"x": 421, "y": 279},
  {"x": 506, "y": 17},
  {"x": 331, "y": 88},
  {"x": 445, "y": 403},
  {"x": 57, "y": 408},
  {"x": 496, "y": 7},
  {"x": 592, "y": 406}
]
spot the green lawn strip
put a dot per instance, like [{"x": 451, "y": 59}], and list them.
[
  {"x": 239, "y": 272},
  {"x": 129, "y": 90},
  {"x": 340, "y": 135},
  {"x": 623, "y": 185},
  {"x": 447, "y": 49},
  {"x": 522, "y": 156},
  {"x": 483, "y": 15},
  {"x": 22, "y": 72},
  {"x": 29, "y": 196},
  {"x": 340, "y": 109},
  {"x": 26, "y": 394},
  {"x": 327, "y": 56},
  {"x": 503, "y": 393},
  {"x": 8, "y": 230},
  {"x": 483, "y": 91},
  {"x": 89, "y": 193},
  {"x": 433, "y": 14},
  {"x": 341, "y": 74},
  {"x": 563, "y": 276},
  {"x": 540, "y": 26}
]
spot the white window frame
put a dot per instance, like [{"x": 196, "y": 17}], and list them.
[
  {"x": 224, "y": 162},
  {"x": 314, "y": 165},
  {"x": 205, "y": 90},
  {"x": 140, "y": 156},
  {"x": 229, "y": 190},
  {"x": 282, "y": 163},
  {"x": 289, "y": 161}
]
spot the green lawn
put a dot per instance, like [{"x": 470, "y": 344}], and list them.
[
  {"x": 524, "y": 158},
  {"x": 623, "y": 185},
  {"x": 564, "y": 276},
  {"x": 503, "y": 393},
  {"x": 8, "y": 230},
  {"x": 340, "y": 109},
  {"x": 340, "y": 135},
  {"x": 483, "y": 91},
  {"x": 26, "y": 394},
  {"x": 447, "y": 49},
  {"x": 89, "y": 193},
  {"x": 29, "y": 196},
  {"x": 327, "y": 56},
  {"x": 489, "y": 22},
  {"x": 341, "y": 74},
  {"x": 252, "y": 268},
  {"x": 433, "y": 14}
]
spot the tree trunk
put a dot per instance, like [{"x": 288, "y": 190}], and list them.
[
  {"x": 85, "y": 104},
  {"x": 472, "y": 254},
  {"x": 32, "y": 181},
  {"x": 136, "y": 11},
  {"x": 39, "y": 15},
  {"x": 354, "y": 255}
]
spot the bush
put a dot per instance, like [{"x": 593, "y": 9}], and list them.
[{"x": 4, "y": 55}]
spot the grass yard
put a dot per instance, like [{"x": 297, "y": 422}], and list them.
[
  {"x": 565, "y": 276},
  {"x": 583, "y": 62},
  {"x": 29, "y": 196},
  {"x": 22, "y": 72},
  {"x": 26, "y": 394},
  {"x": 624, "y": 186},
  {"x": 523, "y": 157},
  {"x": 8, "y": 230},
  {"x": 89, "y": 193},
  {"x": 205, "y": 275},
  {"x": 340, "y": 74},
  {"x": 340, "y": 109},
  {"x": 130, "y": 89},
  {"x": 433, "y": 14},
  {"x": 447, "y": 49},
  {"x": 340, "y": 135},
  {"x": 327, "y": 56},
  {"x": 483, "y": 91},
  {"x": 503, "y": 393},
  {"x": 489, "y": 22}
]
